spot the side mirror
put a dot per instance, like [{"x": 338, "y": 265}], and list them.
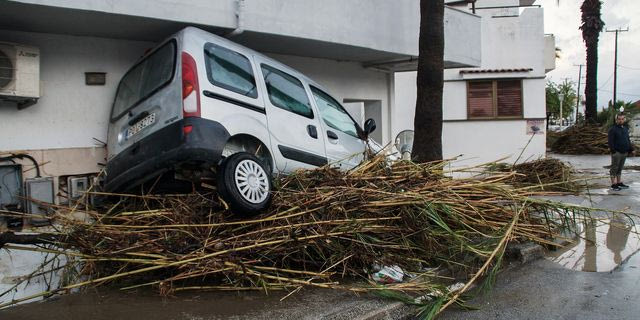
[{"x": 369, "y": 126}]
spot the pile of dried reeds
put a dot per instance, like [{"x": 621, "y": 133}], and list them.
[
  {"x": 551, "y": 137},
  {"x": 545, "y": 174},
  {"x": 324, "y": 226},
  {"x": 581, "y": 139}
]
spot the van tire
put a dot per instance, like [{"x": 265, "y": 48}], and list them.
[{"x": 244, "y": 171}]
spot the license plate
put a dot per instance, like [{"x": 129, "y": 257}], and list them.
[{"x": 138, "y": 126}]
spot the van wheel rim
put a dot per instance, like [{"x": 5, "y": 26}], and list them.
[{"x": 251, "y": 181}]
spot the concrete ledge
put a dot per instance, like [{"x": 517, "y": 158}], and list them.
[{"x": 524, "y": 252}]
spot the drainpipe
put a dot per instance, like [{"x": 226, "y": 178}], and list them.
[{"x": 240, "y": 5}]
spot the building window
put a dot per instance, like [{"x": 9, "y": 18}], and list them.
[{"x": 490, "y": 99}]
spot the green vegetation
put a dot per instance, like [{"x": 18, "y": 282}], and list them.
[
  {"x": 553, "y": 93},
  {"x": 606, "y": 116}
]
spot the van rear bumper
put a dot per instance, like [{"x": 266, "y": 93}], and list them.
[{"x": 165, "y": 150}]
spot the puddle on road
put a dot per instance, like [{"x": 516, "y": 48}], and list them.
[{"x": 601, "y": 246}]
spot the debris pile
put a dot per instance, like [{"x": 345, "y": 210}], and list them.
[
  {"x": 545, "y": 174},
  {"x": 581, "y": 139},
  {"x": 324, "y": 226}
]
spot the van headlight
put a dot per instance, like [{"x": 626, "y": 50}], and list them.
[{"x": 120, "y": 137}]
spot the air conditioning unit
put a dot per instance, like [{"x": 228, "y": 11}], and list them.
[{"x": 19, "y": 74}]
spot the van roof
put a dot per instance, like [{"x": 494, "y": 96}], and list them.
[{"x": 193, "y": 32}]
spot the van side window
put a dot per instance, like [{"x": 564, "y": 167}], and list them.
[
  {"x": 333, "y": 114},
  {"x": 230, "y": 70},
  {"x": 286, "y": 92}
]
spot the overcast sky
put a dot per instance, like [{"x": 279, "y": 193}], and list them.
[{"x": 564, "y": 20}]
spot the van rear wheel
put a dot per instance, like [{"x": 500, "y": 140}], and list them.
[{"x": 245, "y": 183}]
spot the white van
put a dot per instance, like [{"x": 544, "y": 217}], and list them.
[{"x": 200, "y": 102}]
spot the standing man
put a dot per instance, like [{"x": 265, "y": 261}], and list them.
[{"x": 620, "y": 147}]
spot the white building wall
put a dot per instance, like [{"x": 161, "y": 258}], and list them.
[
  {"x": 534, "y": 96},
  {"x": 461, "y": 37},
  {"x": 376, "y": 24},
  {"x": 365, "y": 26},
  {"x": 70, "y": 113},
  {"x": 508, "y": 42},
  {"x": 478, "y": 142},
  {"x": 404, "y": 110},
  {"x": 549, "y": 52},
  {"x": 454, "y": 105},
  {"x": 514, "y": 41},
  {"x": 191, "y": 11}
]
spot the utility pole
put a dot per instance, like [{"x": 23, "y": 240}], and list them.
[
  {"x": 615, "y": 64},
  {"x": 578, "y": 92},
  {"x": 561, "y": 97}
]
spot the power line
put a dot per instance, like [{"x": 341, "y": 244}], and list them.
[
  {"x": 622, "y": 93},
  {"x": 615, "y": 62},
  {"x": 606, "y": 82},
  {"x": 630, "y": 68}
]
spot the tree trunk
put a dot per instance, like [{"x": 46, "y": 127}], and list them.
[
  {"x": 591, "y": 27},
  {"x": 427, "y": 144},
  {"x": 591, "y": 87}
]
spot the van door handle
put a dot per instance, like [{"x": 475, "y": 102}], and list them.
[
  {"x": 138, "y": 117},
  {"x": 332, "y": 135},
  {"x": 312, "y": 131}
]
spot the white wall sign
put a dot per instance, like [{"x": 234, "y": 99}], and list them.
[{"x": 535, "y": 127}]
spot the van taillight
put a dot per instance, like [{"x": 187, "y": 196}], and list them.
[{"x": 190, "y": 88}]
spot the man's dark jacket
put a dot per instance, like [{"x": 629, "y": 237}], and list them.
[{"x": 619, "y": 139}]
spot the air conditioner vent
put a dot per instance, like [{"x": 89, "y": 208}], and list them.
[
  {"x": 19, "y": 72},
  {"x": 7, "y": 67}
]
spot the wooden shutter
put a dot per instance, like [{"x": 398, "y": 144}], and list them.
[
  {"x": 510, "y": 98},
  {"x": 480, "y": 99}
]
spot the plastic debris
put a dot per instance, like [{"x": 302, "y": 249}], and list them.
[{"x": 388, "y": 274}]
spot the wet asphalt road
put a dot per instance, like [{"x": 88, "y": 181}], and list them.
[{"x": 546, "y": 290}]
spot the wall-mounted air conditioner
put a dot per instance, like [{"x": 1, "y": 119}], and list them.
[{"x": 19, "y": 74}]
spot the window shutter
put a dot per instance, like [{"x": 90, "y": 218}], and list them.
[
  {"x": 480, "y": 99},
  {"x": 510, "y": 98}
]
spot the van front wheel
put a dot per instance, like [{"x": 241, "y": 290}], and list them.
[{"x": 244, "y": 183}]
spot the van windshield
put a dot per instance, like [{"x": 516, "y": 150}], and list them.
[{"x": 144, "y": 79}]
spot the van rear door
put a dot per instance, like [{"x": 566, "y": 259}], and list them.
[
  {"x": 148, "y": 98},
  {"x": 294, "y": 128}
]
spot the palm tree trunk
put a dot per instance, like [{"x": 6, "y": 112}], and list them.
[
  {"x": 591, "y": 27},
  {"x": 591, "y": 87},
  {"x": 427, "y": 145}
]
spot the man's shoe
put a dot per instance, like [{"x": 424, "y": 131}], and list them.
[
  {"x": 615, "y": 187},
  {"x": 623, "y": 186}
]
